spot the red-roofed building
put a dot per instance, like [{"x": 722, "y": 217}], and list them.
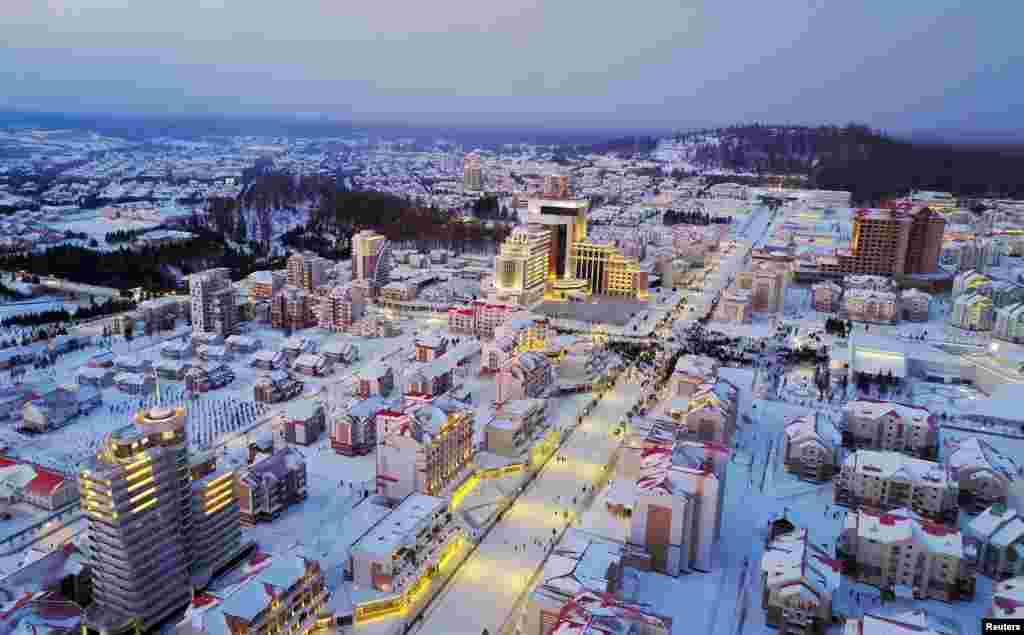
[{"x": 48, "y": 490}]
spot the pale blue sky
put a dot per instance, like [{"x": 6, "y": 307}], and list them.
[{"x": 895, "y": 64}]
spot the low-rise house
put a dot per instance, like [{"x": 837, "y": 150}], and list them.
[
  {"x": 983, "y": 475},
  {"x": 177, "y": 349},
  {"x": 132, "y": 364},
  {"x": 600, "y": 613},
  {"x": 104, "y": 359},
  {"x": 37, "y": 485},
  {"x": 798, "y": 580},
  {"x": 376, "y": 381},
  {"x": 173, "y": 369},
  {"x": 997, "y": 535},
  {"x": 200, "y": 379},
  {"x": 1007, "y": 600},
  {"x": 339, "y": 351},
  {"x": 213, "y": 353},
  {"x": 297, "y": 345},
  {"x": 302, "y": 422},
  {"x": 312, "y": 364},
  {"x": 275, "y": 387},
  {"x": 887, "y": 425},
  {"x": 900, "y": 549},
  {"x": 810, "y": 448},
  {"x": 888, "y": 480},
  {"x": 270, "y": 485},
  {"x": 95, "y": 376},
  {"x": 207, "y": 339},
  {"x": 134, "y": 383},
  {"x": 241, "y": 344},
  {"x": 266, "y": 359}
]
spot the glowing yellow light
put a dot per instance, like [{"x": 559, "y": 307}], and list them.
[{"x": 143, "y": 507}]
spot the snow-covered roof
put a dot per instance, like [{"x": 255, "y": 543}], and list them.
[
  {"x": 792, "y": 560},
  {"x": 914, "y": 415},
  {"x": 903, "y": 525},
  {"x": 973, "y": 453},
  {"x": 889, "y": 465},
  {"x": 397, "y": 528}
]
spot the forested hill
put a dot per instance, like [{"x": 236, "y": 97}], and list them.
[{"x": 867, "y": 162}]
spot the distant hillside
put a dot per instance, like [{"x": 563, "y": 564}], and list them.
[{"x": 867, "y": 162}]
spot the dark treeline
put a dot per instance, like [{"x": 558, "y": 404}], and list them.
[
  {"x": 868, "y": 163},
  {"x": 123, "y": 235},
  {"x": 488, "y": 208},
  {"x": 146, "y": 267},
  {"x": 624, "y": 146},
  {"x": 109, "y": 307}
]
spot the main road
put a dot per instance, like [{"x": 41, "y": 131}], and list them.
[{"x": 486, "y": 588}]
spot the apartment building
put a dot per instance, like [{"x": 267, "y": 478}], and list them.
[
  {"x": 371, "y": 258},
  {"x": 901, "y": 549},
  {"x": 983, "y": 475},
  {"x": 891, "y": 426},
  {"x": 889, "y": 480},
  {"x": 284, "y": 593},
  {"x": 869, "y": 305},
  {"x": 1009, "y": 323},
  {"x": 767, "y": 285},
  {"x": 810, "y": 448},
  {"x": 395, "y": 560},
  {"x": 270, "y": 485},
  {"x": 212, "y": 302},
  {"x": 154, "y": 528},
  {"x": 709, "y": 414},
  {"x": 263, "y": 285},
  {"x": 340, "y": 308},
  {"x": 423, "y": 447},
  {"x": 307, "y": 271},
  {"x": 430, "y": 346},
  {"x": 672, "y": 493},
  {"x": 973, "y": 312},
  {"x": 302, "y": 422},
  {"x": 890, "y": 242},
  {"x": 826, "y": 296},
  {"x": 472, "y": 173},
  {"x": 997, "y": 534},
  {"x": 516, "y": 428},
  {"x": 519, "y": 333},
  {"x": 915, "y": 305},
  {"x": 798, "y": 580},
  {"x": 525, "y": 376},
  {"x": 292, "y": 309}
]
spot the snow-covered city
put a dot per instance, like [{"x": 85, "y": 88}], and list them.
[{"x": 613, "y": 394}]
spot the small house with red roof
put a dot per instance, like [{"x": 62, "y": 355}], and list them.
[{"x": 48, "y": 489}]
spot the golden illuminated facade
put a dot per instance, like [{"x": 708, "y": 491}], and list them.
[
  {"x": 156, "y": 524},
  {"x": 552, "y": 258},
  {"x": 607, "y": 271},
  {"x": 521, "y": 268}
]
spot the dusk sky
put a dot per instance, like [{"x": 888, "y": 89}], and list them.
[{"x": 898, "y": 65}]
